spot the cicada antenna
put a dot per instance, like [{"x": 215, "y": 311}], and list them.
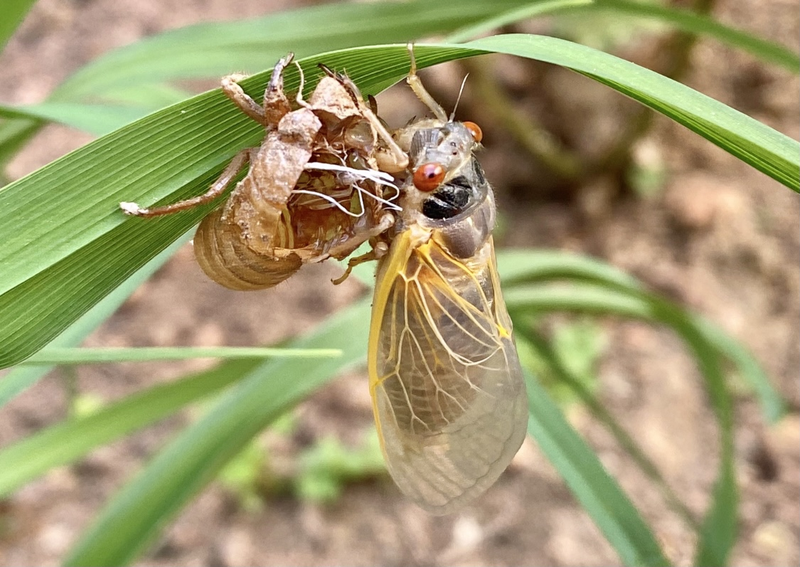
[
  {"x": 460, "y": 92},
  {"x": 327, "y": 70}
]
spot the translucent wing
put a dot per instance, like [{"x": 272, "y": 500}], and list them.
[{"x": 446, "y": 384}]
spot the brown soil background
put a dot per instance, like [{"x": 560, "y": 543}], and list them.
[{"x": 719, "y": 237}]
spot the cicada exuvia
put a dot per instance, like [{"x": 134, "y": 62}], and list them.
[
  {"x": 314, "y": 188},
  {"x": 447, "y": 388}
]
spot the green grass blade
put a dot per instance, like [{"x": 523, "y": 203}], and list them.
[
  {"x": 12, "y": 12},
  {"x": 754, "y": 143},
  {"x": 556, "y": 364},
  {"x": 127, "y": 83},
  {"x": 216, "y": 49},
  {"x": 688, "y": 21},
  {"x": 511, "y": 16},
  {"x": 14, "y": 133},
  {"x": 67, "y": 211},
  {"x": 146, "y": 95},
  {"x": 524, "y": 266},
  {"x": 519, "y": 267},
  {"x": 141, "y": 509},
  {"x": 718, "y": 535},
  {"x": 684, "y": 20},
  {"x": 719, "y": 527},
  {"x": 19, "y": 379},
  {"x": 97, "y": 119},
  {"x": 597, "y": 492},
  {"x": 68, "y": 441},
  {"x": 773, "y": 405},
  {"x": 76, "y": 356}
]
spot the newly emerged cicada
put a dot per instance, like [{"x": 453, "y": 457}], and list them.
[
  {"x": 314, "y": 188},
  {"x": 446, "y": 383}
]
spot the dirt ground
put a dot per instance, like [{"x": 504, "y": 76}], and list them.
[{"x": 720, "y": 237}]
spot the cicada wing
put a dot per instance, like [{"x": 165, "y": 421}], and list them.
[{"x": 446, "y": 383}]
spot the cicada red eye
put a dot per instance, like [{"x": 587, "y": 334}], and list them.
[
  {"x": 428, "y": 177},
  {"x": 475, "y": 130}
]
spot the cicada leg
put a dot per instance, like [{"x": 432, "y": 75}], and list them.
[
  {"x": 423, "y": 95},
  {"x": 216, "y": 189},
  {"x": 245, "y": 103},
  {"x": 391, "y": 159},
  {"x": 378, "y": 251},
  {"x": 276, "y": 104}
]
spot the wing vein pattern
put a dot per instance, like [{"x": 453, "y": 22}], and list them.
[{"x": 447, "y": 387}]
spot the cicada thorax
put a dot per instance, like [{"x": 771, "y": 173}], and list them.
[{"x": 310, "y": 194}]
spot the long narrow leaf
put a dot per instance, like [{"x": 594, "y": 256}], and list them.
[
  {"x": 688, "y": 21},
  {"x": 141, "y": 509},
  {"x": 719, "y": 529},
  {"x": 19, "y": 379},
  {"x": 565, "y": 376},
  {"x": 13, "y": 12},
  {"x": 68, "y": 212},
  {"x": 94, "y": 118},
  {"x": 597, "y": 492},
  {"x": 14, "y": 133},
  {"x": 216, "y": 49},
  {"x": 74, "y": 356},
  {"x": 512, "y": 16},
  {"x": 520, "y": 267},
  {"x": 66, "y": 442},
  {"x": 762, "y": 147}
]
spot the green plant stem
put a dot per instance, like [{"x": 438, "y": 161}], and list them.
[
  {"x": 69, "y": 380},
  {"x": 538, "y": 343}
]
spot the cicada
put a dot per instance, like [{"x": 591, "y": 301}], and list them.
[
  {"x": 446, "y": 384},
  {"x": 447, "y": 388},
  {"x": 314, "y": 189}
]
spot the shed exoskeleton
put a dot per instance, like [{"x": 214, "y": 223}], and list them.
[{"x": 317, "y": 187}]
